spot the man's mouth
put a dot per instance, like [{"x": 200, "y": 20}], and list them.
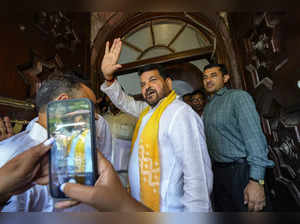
[
  {"x": 209, "y": 85},
  {"x": 150, "y": 93}
]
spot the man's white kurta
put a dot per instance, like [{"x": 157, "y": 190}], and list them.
[
  {"x": 37, "y": 198},
  {"x": 186, "y": 174}
]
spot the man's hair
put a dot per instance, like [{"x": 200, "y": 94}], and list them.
[
  {"x": 162, "y": 71},
  {"x": 199, "y": 91},
  {"x": 222, "y": 67},
  {"x": 56, "y": 84},
  {"x": 188, "y": 94}
]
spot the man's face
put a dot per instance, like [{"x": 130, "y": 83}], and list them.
[
  {"x": 154, "y": 87},
  {"x": 214, "y": 80},
  {"x": 198, "y": 102}
]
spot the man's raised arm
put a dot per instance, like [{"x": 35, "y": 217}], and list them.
[{"x": 111, "y": 87}]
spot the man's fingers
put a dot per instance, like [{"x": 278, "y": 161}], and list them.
[
  {"x": 246, "y": 198},
  {"x": 66, "y": 204},
  {"x": 41, "y": 149},
  {"x": 259, "y": 206},
  {"x": 118, "y": 48},
  {"x": 251, "y": 206},
  {"x": 79, "y": 192},
  {"x": 107, "y": 47},
  {"x": 8, "y": 126},
  {"x": 116, "y": 67},
  {"x": 103, "y": 163},
  {"x": 113, "y": 47},
  {"x": 42, "y": 180},
  {"x": 2, "y": 128}
]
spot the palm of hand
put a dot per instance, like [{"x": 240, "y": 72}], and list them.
[{"x": 109, "y": 62}]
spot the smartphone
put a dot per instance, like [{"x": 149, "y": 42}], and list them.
[{"x": 73, "y": 154}]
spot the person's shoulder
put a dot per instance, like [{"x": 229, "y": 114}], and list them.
[
  {"x": 238, "y": 93},
  {"x": 101, "y": 117},
  {"x": 102, "y": 120},
  {"x": 180, "y": 108},
  {"x": 177, "y": 104}
]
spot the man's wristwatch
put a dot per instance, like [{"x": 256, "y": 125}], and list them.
[{"x": 261, "y": 182}]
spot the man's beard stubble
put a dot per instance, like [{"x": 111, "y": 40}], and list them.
[{"x": 165, "y": 93}]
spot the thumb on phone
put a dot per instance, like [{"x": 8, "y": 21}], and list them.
[{"x": 78, "y": 192}]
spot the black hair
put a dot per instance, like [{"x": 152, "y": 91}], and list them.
[
  {"x": 222, "y": 67},
  {"x": 199, "y": 91},
  {"x": 162, "y": 71},
  {"x": 56, "y": 84},
  {"x": 188, "y": 94}
]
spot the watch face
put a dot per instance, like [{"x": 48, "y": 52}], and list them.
[{"x": 262, "y": 182}]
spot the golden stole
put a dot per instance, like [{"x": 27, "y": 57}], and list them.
[{"x": 149, "y": 163}]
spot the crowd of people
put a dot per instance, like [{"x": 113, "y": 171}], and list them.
[{"x": 201, "y": 152}]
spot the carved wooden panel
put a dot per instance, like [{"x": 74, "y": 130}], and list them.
[
  {"x": 37, "y": 70},
  {"x": 265, "y": 46}
]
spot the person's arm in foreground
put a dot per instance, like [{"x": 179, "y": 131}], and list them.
[
  {"x": 18, "y": 174},
  {"x": 108, "y": 194}
]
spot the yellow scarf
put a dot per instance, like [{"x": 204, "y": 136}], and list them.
[
  {"x": 79, "y": 151},
  {"x": 149, "y": 164}
]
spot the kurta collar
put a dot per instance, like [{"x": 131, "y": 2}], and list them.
[{"x": 220, "y": 92}]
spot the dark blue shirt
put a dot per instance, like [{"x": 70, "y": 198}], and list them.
[{"x": 233, "y": 130}]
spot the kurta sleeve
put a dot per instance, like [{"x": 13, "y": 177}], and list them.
[
  {"x": 188, "y": 139},
  {"x": 121, "y": 100},
  {"x": 104, "y": 138},
  {"x": 253, "y": 137}
]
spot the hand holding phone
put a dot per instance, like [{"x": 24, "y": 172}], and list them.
[{"x": 73, "y": 155}]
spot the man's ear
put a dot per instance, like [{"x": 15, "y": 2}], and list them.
[
  {"x": 169, "y": 83},
  {"x": 226, "y": 78},
  {"x": 63, "y": 96}
]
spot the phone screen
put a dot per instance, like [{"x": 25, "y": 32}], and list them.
[{"x": 72, "y": 157}]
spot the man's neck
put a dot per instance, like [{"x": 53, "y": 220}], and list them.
[
  {"x": 214, "y": 93},
  {"x": 42, "y": 120}
]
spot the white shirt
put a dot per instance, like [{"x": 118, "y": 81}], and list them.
[
  {"x": 37, "y": 198},
  {"x": 121, "y": 126},
  {"x": 186, "y": 174}
]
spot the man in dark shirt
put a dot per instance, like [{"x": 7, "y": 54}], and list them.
[{"x": 236, "y": 144}]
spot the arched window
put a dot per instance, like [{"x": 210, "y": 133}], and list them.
[
  {"x": 157, "y": 38},
  {"x": 173, "y": 39}
]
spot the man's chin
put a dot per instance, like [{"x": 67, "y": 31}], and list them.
[
  {"x": 210, "y": 90},
  {"x": 152, "y": 103}
]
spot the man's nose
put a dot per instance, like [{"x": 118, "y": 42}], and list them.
[
  {"x": 208, "y": 80},
  {"x": 147, "y": 86}
]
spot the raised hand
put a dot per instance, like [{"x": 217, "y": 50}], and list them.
[
  {"x": 6, "y": 130},
  {"x": 110, "y": 59}
]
